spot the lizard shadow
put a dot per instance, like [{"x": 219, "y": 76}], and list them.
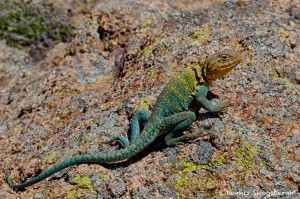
[
  {"x": 157, "y": 145},
  {"x": 210, "y": 95}
]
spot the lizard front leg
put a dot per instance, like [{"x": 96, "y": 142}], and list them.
[
  {"x": 206, "y": 104},
  {"x": 138, "y": 122}
]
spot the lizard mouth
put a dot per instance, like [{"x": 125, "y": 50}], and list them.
[
  {"x": 233, "y": 64},
  {"x": 228, "y": 67}
]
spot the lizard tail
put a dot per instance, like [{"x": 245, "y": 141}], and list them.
[
  {"x": 87, "y": 158},
  {"x": 114, "y": 156}
]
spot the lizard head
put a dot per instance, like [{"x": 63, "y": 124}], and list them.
[{"x": 219, "y": 64}]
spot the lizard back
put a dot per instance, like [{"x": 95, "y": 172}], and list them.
[{"x": 177, "y": 95}]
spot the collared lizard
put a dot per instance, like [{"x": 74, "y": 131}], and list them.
[{"x": 170, "y": 115}]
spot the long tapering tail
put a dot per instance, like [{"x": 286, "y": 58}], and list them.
[{"x": 114, "y": 156}]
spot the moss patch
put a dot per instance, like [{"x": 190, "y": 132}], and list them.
[{"x": 35, "y": 27}]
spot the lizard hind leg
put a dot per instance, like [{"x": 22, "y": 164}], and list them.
[
  {"x": 175, "y": 125},
  {"x": 138, "y": 122}
]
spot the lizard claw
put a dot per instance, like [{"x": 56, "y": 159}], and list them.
[
  {"x": 109, "y": 141},
  {"x": 196, "y": 135},
  {"x": 122, "y": 140},
  {"x": 222, "y": 106}
]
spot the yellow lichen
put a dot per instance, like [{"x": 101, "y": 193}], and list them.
[
  {"x": 189, "y": 166},
  {"x": 49, "y": 158},
  {"x": 152, "y": 71},
  {"x": 183, "y": 182},
  {"x": 84, "y": 183},
  {"x": 148, "y": 23},
  {"x": 145, "y": 104},
  {"x": 201, "y": 35},
  {"x": 220, "y": 160},
  {"x": 146, "y": 52},
  {"x": 283, "y": 34},
  {"x": 285, "y": 81},
  {"x": 246, "y": 154}
]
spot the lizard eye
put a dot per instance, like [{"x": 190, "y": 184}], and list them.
[{"x": 224, "y": 58}]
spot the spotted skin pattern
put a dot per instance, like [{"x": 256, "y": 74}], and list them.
[{"x": 170, "y": 115}]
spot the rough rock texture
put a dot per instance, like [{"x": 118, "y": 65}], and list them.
[{"x": 123, "y": 53}]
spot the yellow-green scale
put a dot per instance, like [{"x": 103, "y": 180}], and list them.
[{"x": 177, "y": 95}]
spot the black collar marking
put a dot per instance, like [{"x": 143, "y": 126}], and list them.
[
  {"x": 197, "y": 76},
  {"x": 203, "y": 74}
]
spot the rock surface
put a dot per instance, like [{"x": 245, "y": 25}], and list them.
[{"x": 122, "y": 54}]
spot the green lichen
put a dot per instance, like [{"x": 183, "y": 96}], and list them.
[
  {"x": 208, "y": 181},
  {"x": 51, "y": 157},
  {"x": 102, "y": 177},
  {"x": 286, "y": 81},
  {"x": 205, "y": 166},
  {"x": 75, "y": 178},
  {"x": 85, "y": 5},
  {"x": 160, "y": 184},
  {"x": 145, "y": 104},
  {"x": 246, "y": 154},
  {"x": 84, "y": 183},
  {"x": 220, "y": 160},
  {"x": 160, "y": 40},
  {"x": 241, "y": 176},
  {"x": 13, "y": 25},
  {"x": 212, "y": 191},
  {"x": 188, "y": 184},
  {"x": 196, "y": 43},
  {"x": 152, "y": 71},
  {"x": 201, "y": 35},
  {"x": 157, "y": 47},
  {"x": 279, "y": 74},
  {"x": 211, "y": 181},
  {"x": 194, "y": 34},
  {"x": 11, "y": 178},
  {"x": 189, "y": 167},
  {"x": 247, "y": 77},
  {"x": 146, "y": 52},
  {"x": 261, "y": 164},
  {"x": 183, "y": 169},
  {"x": 53, "y": 105},
  {"x": 148, "y": 23},
  {"x": 71, "y": 194},
  {"x": 183, "y": 182},
  {"x": 34, "y": 27},
  {"x": 219, "y": 194},
  {"x": 283, "y": 34},
  {"x": 50, "y": 193}
]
